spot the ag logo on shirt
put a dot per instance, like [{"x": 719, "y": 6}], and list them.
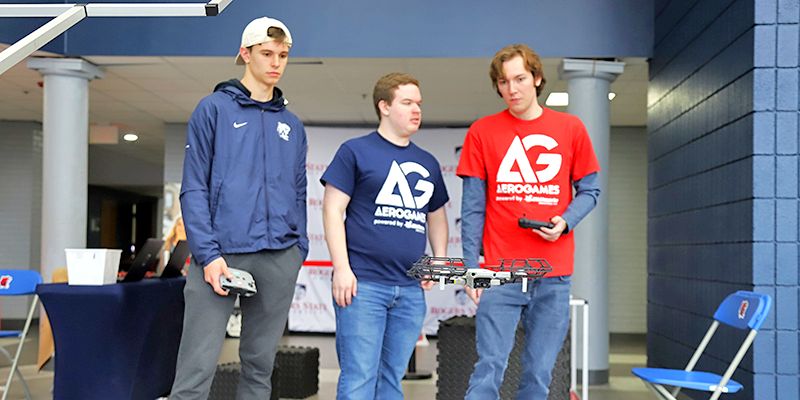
[
  {"x": 401, "y": 208},
  {"x": 526, "y": 181},
  {"x": 397, "y": 179}
]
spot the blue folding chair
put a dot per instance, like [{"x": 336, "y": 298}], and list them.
[
  {"x": 741, "y": 310},
  {"x": 18, "y": 283}
]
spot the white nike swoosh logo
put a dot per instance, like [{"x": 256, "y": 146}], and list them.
[{"x": 235, "y": 125}]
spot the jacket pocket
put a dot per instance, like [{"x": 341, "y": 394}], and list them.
[
  {"x": 214, "y": 201},
  {"x": 291, "y": 220},
  {"x": 285, "y": 201}
]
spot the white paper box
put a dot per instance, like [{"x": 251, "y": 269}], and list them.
[{"x": 92, "y": 266}]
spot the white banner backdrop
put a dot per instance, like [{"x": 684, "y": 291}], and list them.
[{"x": 312, "y": 306}]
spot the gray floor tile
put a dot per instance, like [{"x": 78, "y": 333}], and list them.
[{"x": 626, "y": 354}]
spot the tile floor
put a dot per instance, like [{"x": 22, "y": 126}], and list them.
[{"x": 627, "y": 351}]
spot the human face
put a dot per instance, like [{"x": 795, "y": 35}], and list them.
[
  {"x": 266, "y": 61},
  {"x": 404, "y": 115},
  {"x": 518, "y": 88}
]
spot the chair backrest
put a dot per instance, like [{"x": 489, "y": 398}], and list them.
[
  {"x": 744, "y": 310},
  {"x": 14, "y": 282}
]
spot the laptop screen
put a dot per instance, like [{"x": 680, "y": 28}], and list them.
[
  {"x": 176, "y": 260},
  {"x": 144, "y": 260}
]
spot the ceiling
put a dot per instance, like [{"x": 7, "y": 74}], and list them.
[{"x": 141, "y": 94}]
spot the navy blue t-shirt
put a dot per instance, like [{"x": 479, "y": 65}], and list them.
[{"x": 391, "y": 191}]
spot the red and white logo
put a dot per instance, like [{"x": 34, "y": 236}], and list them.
[
  {"x": 527, "y": 184},
  {"x": 516, "y": 156},
  {"x": 5, "y": 281},
  {"x": 743, "y": 308}
]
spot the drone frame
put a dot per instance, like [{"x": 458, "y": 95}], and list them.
[{"x": 452, "y": 270}]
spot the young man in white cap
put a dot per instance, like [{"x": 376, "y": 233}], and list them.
[{"x": 243, "y": 199}]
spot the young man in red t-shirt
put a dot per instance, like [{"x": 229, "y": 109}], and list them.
[{"x": 523, "y": 162}]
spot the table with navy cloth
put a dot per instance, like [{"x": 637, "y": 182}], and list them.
[{"x": 116, "y": 341}]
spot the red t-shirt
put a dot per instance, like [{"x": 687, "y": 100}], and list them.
[{"x": 529, "y": 167}]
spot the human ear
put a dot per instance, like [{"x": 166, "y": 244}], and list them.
[
  {"x": 244, "y": 52},
  {"x": 384, "y": 107}
]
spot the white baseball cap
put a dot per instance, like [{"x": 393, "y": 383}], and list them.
[{"x": 256, "y": 33}]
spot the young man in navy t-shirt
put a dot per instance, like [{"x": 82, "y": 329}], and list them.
[{"x": 392, "y": 193}]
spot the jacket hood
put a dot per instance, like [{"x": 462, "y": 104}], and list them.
[{"x": 241, "y": 95}]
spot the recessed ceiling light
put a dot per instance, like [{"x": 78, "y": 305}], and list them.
[
  {"x": 131, "y": 137},
  {"x": 557, "y": 99},
  {"x": 611, "y": 96}
]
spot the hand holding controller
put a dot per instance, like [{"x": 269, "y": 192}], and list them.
[
  {"x": 242, "y": 283},
  {"x": 531, "y": 224}
]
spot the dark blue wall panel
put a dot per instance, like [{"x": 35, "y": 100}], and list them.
[
  {"x": 723, "y": 201},
  {"x": 720, "y": 37},
  {"x": 703, "y": 155},
  {"x": 682, "y": 261},
  {"x": 695, "y": 19},
  {"x": 670, "y": 129},
  {"x": 704, "y": 190},
  {"x": 667, "y": 15},
  {"x": 368, "y": 28}
]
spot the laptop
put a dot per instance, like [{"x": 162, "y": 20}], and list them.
[
  {"x": 144, "y": 261},
  {"x": 177, "y": 260}
]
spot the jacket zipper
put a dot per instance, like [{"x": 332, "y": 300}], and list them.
[{"x": 266, "y": 177}]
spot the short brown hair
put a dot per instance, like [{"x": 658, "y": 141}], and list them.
[
  {"x": 276, "y": 34},
  {"x": 387, "y": 85},
  {"x": 529, "y": 57}
]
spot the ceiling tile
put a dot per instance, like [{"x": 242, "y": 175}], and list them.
[{"x": 141, "y": 93}]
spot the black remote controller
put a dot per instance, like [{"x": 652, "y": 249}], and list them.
[{"x": 531, "y": 224}]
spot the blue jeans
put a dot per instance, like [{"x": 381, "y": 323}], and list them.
[
  {"x": 545, "y": 317},
  {"x": 375, "y": 336}
]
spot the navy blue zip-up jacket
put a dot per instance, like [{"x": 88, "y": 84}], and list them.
[{"x": 244, "y": 175}]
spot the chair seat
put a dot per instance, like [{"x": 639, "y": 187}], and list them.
[
  {"x": 4, "y": 334},
  {"x": 697, "y": 380}
]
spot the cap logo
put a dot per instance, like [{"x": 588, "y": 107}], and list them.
[
  {"x": 5, "y": 281},
  {"x": 743, "y": 308}
]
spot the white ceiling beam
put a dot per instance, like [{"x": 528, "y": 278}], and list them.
[
  {"x": 215, "y": 7},
  {"x": 38, "y": 38},
  {"x": 67, "y": 15},
  {"x": 209, "y": 9},
  {"x": 33, "y": 10},
  {"x": 146, "y": 10}
]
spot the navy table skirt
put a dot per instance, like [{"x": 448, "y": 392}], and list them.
[{"x": 115, "y": 341}]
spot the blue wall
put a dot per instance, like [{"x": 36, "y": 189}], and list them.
[
  {"x": 723, "y": 184},
  {"x": 369, "y": 28}
]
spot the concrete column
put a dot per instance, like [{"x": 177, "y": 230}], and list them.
[
  {"x": 174, "y": 151},
  {"x": 588, "y": 84},
  {"x": 65, "y": 126}
]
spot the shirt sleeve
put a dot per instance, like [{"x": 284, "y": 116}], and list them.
[
  {"x": 440, "y": 196},
  {"x": 195, "y": 191},
  {"x": 301, "y": 181},
  {"x": 473, "y": 217},
  {"x": 471, "y": 162},
  {"x": 586, "y": 192},
  {"x": 341, "y": 172}
]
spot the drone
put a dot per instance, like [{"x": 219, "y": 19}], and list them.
[{"x": 451, "y": 270}]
